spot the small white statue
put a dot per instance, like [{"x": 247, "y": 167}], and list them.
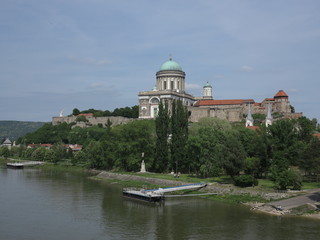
[{"x": 143, "y": 167}]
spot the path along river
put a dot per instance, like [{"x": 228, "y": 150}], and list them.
[{"x": 61, "y": 204}]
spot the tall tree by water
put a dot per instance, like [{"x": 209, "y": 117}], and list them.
[
  {"x": 162, "y": 132},
  {"x": 179, "y": 133}
]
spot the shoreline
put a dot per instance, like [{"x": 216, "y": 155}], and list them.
[
  {"x": 222, "y": 190},
  {"x": 257, "y": 200}
]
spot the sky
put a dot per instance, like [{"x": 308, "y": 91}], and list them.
[{"x": 63, "y": 54}]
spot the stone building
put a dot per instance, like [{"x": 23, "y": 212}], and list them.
[
  {"x": 7, "y": 143},
  {"x": 170, "y": 85}
]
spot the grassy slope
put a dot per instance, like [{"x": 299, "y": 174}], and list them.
[{"x": 16, "y": 129}]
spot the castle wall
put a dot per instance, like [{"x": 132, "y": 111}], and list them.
[{"x": 92, "y": 121}]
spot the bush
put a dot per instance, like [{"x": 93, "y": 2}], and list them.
[
  {"x": 81, "y": 119},
  {"x": 245, "y": 181},
  {"x": 288, "y": 178}
]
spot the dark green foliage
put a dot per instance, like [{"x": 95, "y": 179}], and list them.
[
  {"x": 95, "y": 153},
  {"x": 310, "y": 159},
  {"x": 79, "y": 157},
  {"x": 81, "y": 119},
  {"x": 4, "y": 152},
  {"x": 232, "y": 154},
  {"x": 258, "y": 118},
  {"x": 216, "y": 148},
  {"x": 132, "y": 140},
  {"x": 129, "y": 112},
  {"x": 292, "y": 109},
  {"x": 252, "y": 166},
  {"x": 50, "y": 156},
  {"x": 75, "y": 112},
  {"x": 60, "y": 152},
  {"x": 179, "y": 137},
  {"x": 287, "y": 178},
  {"x": 305, "y": 128},
  {"x": 162, "y": 133},
  {"x": 283, "y": 139},
  {"x": 245, "y": 181},
  {"x": 48, "y": 134},
  {"x": 16, "y": 129},
  {"x": 38, "y": 154}
]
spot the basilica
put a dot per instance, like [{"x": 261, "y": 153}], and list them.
[{"x": 170, "y": 85}]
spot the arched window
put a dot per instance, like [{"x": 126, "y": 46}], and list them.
[{"x": 154, "y": 100}]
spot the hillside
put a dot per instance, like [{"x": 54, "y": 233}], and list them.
[{"x": 16, "y": 129}]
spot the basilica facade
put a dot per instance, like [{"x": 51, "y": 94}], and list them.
[{"x": 170, "y": 85}]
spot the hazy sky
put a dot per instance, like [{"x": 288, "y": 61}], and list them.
[{"x": 65, "y": 54}]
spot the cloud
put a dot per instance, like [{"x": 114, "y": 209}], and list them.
[
  {"x": 246, "y": 69},
  {"x": 89, "y": 60},
  {"x": 191, "y": 86}
]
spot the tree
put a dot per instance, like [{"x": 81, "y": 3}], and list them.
[
  {"x": 287, "y": 178},
  {"x": 310, "y": 159},
  {"x": 95, "y": 153},
  {"x": 4, "y": 152},
  {"x": 60, "y": 152},
  {"x": 292, "y": 109},
  {"x": 79, "y": 157},
  {"x": 231, "y": 154},
  {"x": 193, "y": 153},
  {"x": 50, "y": 156},
  {"x": 282, "y": 136},
  {"x": 38, "y": 154},
  {"x": 210, "y": 123},
  {"x": 131, "y": 141},
  {"x": 179, "y": 136},
  {"x": 305, "y": 128},
  {"x": 81, "y": 119},
  {"x": 162, "y": 132},
  {"x": 75, "y": 112}
]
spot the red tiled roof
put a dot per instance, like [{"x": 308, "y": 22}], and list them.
[
  {"x": 73, "y": 146},
  {"x": 269, "y": 99},
  {"x": 316, "y": 135},
  {"x": 39, "y": 145},
  {"x": 281, "y": 93},
  {"x": 255, "y": 128},
  {"x": 86, "y": 114},
  {"x": 222, "y": 102}
]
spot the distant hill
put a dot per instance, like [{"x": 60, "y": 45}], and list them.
[{"x": 15, "y": 129}]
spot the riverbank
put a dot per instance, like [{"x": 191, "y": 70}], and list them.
[{"x": 257, "y": 200}]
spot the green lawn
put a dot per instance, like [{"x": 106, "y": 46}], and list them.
[
  {"x": 184, "y": 177},
  {"x": 263, "y": 183}
]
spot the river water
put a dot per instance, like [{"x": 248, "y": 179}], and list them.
[{"x": 61, "y": 204}]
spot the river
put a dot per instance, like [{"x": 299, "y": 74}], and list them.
[{"x": 63, "y": 204}]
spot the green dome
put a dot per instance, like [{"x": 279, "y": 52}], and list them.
[
  {"x": 207, "y": 85},
  {"x": 170, "y": 65}
]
